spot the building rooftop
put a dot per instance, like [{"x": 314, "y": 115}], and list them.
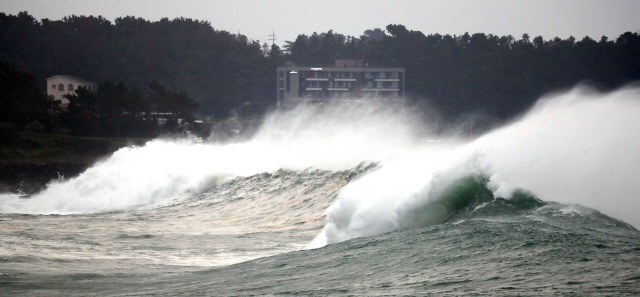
[{"x": 73, "y": 78}]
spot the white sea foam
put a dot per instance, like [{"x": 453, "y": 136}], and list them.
[
  {"x": 579, "y": 147},
  {"x": 330, "y": 139}
]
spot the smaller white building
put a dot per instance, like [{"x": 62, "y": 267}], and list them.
[{"x": 60, "y": 85}]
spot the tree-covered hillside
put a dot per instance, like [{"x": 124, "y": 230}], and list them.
[
  {"x": 500, "y": 75},
  {"x": 219, "y": 70},
  {"x": 226, "y": 73}
]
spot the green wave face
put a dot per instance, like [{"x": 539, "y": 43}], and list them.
[{"x": 462, "y": 199}]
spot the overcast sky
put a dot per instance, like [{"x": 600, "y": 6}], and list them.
[{"x": 257, "y": 18}]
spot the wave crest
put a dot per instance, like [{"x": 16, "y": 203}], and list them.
[{"x": 578, "y": 147}]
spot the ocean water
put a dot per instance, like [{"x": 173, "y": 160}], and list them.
[{"x": 348, "y": 202}]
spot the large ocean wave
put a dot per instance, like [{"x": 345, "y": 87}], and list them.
[
  {"x": 577, "y": 147},
  {"x": 163, "y": 169}
]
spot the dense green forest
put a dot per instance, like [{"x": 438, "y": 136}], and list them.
[
  {"x": 228, "y": 74},
  {"x": 22, "y": 103},
  {"x": 113, "y": 110},
  {"x": 500, "y": 75},
  {"x": 219, "y": 70}
]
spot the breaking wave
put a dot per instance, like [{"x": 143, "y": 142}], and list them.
[
  {"x": 161, "y": 170},
  {"x": 578, "y": 147}
]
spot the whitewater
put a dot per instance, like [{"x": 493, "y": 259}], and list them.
[{"x": 364, "y": 200}]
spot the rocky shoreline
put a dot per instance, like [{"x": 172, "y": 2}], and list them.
[
  {"x": 30, "y": 160},
  {"x": 29, "y": 176}
]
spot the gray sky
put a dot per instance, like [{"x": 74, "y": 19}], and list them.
[{"x": 257, "y": 18}]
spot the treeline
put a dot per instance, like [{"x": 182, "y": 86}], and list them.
[
  {"x": 221, "y": 71},
  {"x": 228, "y": 74},
  {"x": 23, "y": 105},
  {"x": 116, "y": 110},
  {"x": 500, "y": 75},
  {"x": 113, "y": 110}
]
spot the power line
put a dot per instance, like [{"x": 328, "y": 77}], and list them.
[{"x": 273, "y": 38}]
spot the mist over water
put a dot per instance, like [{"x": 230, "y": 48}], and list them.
[
  {"x": 326, "y": 139},
  {"x": 492, "y": 215},
  {"x": 578, "y": 147}
]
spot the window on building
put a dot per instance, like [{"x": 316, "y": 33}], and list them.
[
  {"x": 70, "y": 87},
  {"x": 60, "y": 87},
  {"x": 53, "y": 87}
]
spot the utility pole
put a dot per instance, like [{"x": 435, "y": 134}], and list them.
[{"x": 273, "y": 38}]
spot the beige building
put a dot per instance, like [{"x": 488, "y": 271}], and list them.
[{"x": 60, "y": 85}]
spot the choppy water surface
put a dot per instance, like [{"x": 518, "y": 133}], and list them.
[{"x": 348, "y": 202}]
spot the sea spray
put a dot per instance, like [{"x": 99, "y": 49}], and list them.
[
  {"x": 492, "y": 246},
  {"x": 326, "y": 138},
  {"x": 576, "y": 147},
  {"x": 579, "y": 147}
]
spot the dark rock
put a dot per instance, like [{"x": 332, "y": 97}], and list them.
[{"x": 30, "y": 176}]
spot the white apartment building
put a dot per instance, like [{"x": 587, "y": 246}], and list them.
[{"x": 346, "y": 82}]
